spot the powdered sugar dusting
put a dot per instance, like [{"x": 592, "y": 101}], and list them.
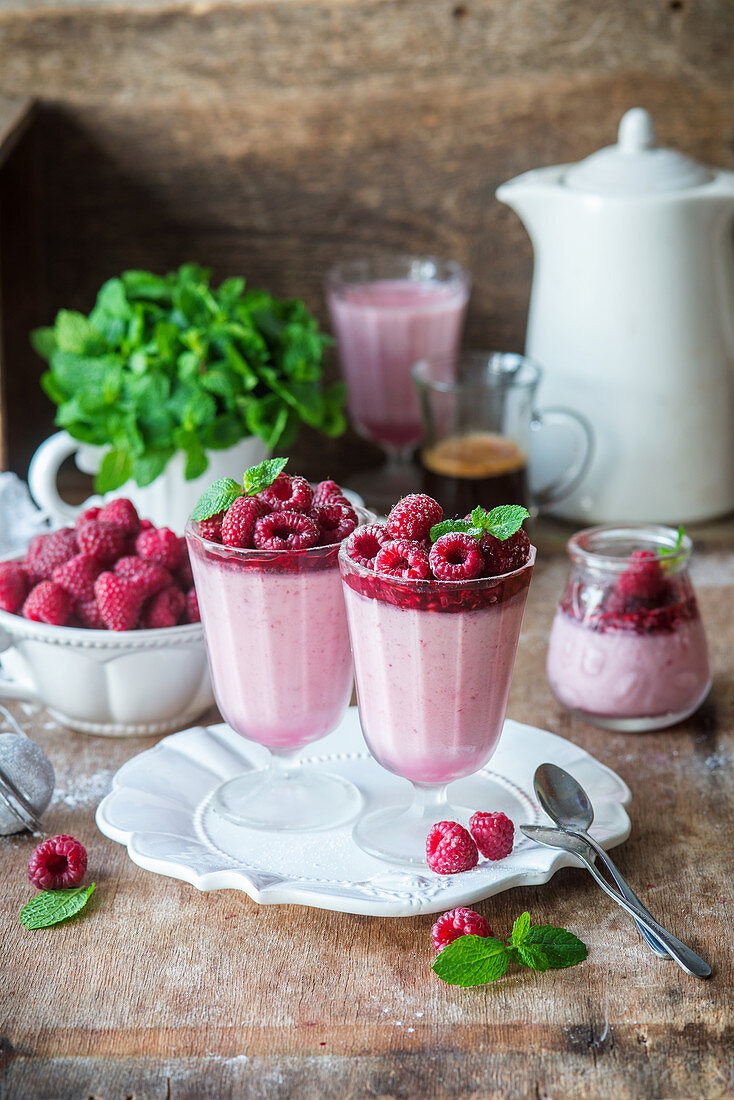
[{"x": 83, "y": 790}]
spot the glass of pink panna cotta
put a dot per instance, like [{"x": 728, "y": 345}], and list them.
[
  {"x": 433, "y": 663},
  {"x": 627, "y": 649},
  {"x": 278, "y": 646}
]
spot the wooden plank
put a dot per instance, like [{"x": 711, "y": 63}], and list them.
[{"x": 164, "y": 992}]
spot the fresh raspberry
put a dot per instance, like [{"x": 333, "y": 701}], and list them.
[
  {"x": 335, "y": 521},
  {"x": 103, "y": 541},
  {"x": 46, "y": 552},
  {"x": 455, "y": 923},
  {"x": 413, "y": 517},
  {"x": 89, "y": 615},
  {"x": 120, "y": 600},
  {"x": 164, "y": 609},
  {"x": 14, "y": 586},
  {"x": 450, "y": 849},
  {"x": 285, "y": 531},
  {"x": 644, "y": 580},
  {"x": 184, "y": 573},
  {"x": 122, "y": 513},
  {"x": 211, "y": 528},
  {"x": 89, "y": 513},
  {"x": 288, "y": 494},
  {"x": 193, "y": 614},
  {"x": 58, "y": 863},
  {"x": 152, "y": 576},
  {"x": 403, "y": 558},
  {"x": 159, "y": 545},
  {"x": 456, "y": 557},
  {"x": 48, "y": 603},
  {"x": 147, "y": 525},
  {"x": 324, "y": 492},
  {"x": 77, "y": 576},
  {"x": 365, "y": 544},
  {"x": 504, "y": 555},
  {"x": 494, "y": 834},
  {"x": 238, "y": 525}
]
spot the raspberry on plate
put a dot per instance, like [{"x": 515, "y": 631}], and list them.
[
  {"x": 163, "y": 609},
  {"x": 101, "y": 540},
  {"x": 456, "y": 923},
  {"x": 403, "y": 558},
  {"x": 504, "y": 555},
  {"x": 159, "y": 544},
  {"x": 13, "y": 586},
  {"x": 494, "y": 834},
  {"x": 122, "y": 513},
  {"x": 364, "y": 544},
  {"x": 238, "y": 524},
  {"x": 288, "y": 494},
  {"x": 335, "y": 521},
  {"x": 77, "y": 576},
  {"x": 456, "y": 557},
  {"x": 285, "y": 531},
  {"x": 48, "y": 603},
  {"x": 57, "y": 864},
  {"x": 450, "y": 849},
  {"x": 413, "y": 517},
  {"x": 120, "y": 600}
]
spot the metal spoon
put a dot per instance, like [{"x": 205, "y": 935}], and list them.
[
  {"x": 687, "y": 959},
  {"x": 567, "y": 803}
]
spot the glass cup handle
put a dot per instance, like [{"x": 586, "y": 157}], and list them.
[{"x": 579, "y": 427}]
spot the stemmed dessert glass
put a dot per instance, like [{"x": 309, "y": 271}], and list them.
[
  {"x": 278, "y": 647},
  {"x": 387, "y": 313},
  {"x": 433, "y": 663}
]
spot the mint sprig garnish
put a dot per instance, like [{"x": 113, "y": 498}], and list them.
[
  {"x": 52, "y": 906},
  {"x": 501, "y": 522},
  {"x": 224, "y": 492},
  {"x": 476, "y": 960},
  {"x": 259, "y": 477},
  {"x": 667, "y": 551}
]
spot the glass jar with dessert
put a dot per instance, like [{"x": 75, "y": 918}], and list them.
[{"x": 627, "y": 648}]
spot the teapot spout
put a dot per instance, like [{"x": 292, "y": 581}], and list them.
[{"x": 532, "y": 196}]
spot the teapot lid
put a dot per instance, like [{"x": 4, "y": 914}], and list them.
[{"x": 635, "y": 165}]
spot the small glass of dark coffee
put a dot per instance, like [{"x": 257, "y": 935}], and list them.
[{"x": 479, "y": 419}]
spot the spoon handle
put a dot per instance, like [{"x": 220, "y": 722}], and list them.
[
  {"x": 687, "y": 959},
  {"x": 627, "y": 892}
]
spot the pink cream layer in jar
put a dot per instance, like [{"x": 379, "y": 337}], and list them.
[{"x": 628, "y": 649}]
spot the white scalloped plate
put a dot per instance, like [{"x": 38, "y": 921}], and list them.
[{"x": 159, "y": 807}]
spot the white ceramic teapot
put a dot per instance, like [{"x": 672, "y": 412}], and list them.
[{"x": 632, "y": 317}]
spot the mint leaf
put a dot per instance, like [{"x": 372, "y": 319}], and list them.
[
  {"x": 115, "y": 469},
  {"x": 216, "y": 498},
  {"x": 259, "y": 477},
  {"x": 472, "y": 960},
  {"x": 502, "y": 522},
  {"x": 448, "y": 525},
  {"x": 547, "y": 947},
  {"x": 666, "y": 551},
  {"x": 520, "y": 929},
  {"x": 52, "y": 906}
]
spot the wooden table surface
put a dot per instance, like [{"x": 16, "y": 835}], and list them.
[{"x": 162, "y": 992}]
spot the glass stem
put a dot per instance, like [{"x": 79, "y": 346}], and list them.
[
  {"x": 284, "y": 764},
  {"x": 429, "y": 803},
  {"x": 398, "y": 458}
]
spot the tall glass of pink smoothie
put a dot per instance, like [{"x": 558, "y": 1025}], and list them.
[
  {"x": 278, "y": 647},
  {"x": 433, "y": 664},
  {"x": 387, "y": 313}
]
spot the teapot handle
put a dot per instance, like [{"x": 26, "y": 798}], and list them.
[
  {"x": 577, "y": 426},
  {"x": 43, "y": 472}
]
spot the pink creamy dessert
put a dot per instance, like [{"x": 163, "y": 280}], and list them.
[
  {"x": 382, "y": 328},
  {"x": 627, "y": 648}
]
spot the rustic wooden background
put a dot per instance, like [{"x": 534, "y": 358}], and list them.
[{"x": 272, "y": 137}]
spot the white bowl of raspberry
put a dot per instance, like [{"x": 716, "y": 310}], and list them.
[{"x": 100, "y": 624}]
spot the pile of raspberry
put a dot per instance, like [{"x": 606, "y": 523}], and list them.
[
  {"x": 288, "y": 515},
  {"x": 111, "y": 571},
  {"x": 402, "y": 547}
]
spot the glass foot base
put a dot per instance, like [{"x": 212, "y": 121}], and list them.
[
  {"x": 277, "y": 802},
  {"x": 398, "y": 833}
]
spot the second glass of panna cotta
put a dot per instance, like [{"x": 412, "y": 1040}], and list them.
[
  {"x": 278, "y": 646},
  {"x": 627, "y": 649},
  {"x": 433, "y": 663}
]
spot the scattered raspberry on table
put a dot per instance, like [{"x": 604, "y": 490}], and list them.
[
  {"x": 455, "y": 923},
  {"x": 57, "y": 864}
]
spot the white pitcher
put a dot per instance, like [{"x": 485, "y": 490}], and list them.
[{"x": 632, "y": 317}]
